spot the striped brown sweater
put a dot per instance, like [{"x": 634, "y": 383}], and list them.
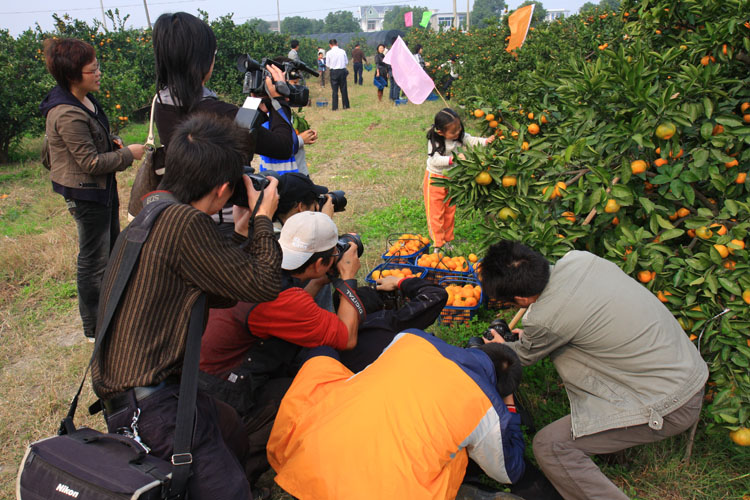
[{"x": 183, "y": 256}]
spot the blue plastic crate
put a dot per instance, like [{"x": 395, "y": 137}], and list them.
[
  {"x": 403, "y": 259},
  {"x": 400, "y": 102},
  {"x": 321, "y": 104},
  {"x": 452, "y": 315},
  {"x": 432, "y": 97},
  {"x": 419, "y": 272}
]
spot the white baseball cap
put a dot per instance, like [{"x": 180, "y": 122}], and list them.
[{"x": 302, "y": 235}]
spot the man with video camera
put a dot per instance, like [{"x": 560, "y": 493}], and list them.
[
  {"x": 136, "y": 372},
  {"x": 630, "y": 371}
]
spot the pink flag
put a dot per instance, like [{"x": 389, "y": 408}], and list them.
[
  {"x": 409, "y": 19},
  {"x": 407, "y": 72}
]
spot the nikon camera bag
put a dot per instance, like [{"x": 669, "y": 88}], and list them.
[{"x": 86, "y": 464}]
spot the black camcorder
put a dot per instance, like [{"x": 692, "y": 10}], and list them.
[
  {"x": 502, "y": 329},
  {"x": 260, "y": 182},
  {"x": 338, "y": 198},
  {"x": 255, "y": 78}
]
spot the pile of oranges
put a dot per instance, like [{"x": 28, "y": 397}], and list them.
[
  {"x": 463, "y": 296},
  {"x": 441, "y": 261},
  {"x": 404, "y": 272},
  {"x": 407, "y": 244}
]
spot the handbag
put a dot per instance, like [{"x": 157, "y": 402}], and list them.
[
  {"x": 150, "y": 171},
  {"x": 87, "y": 464}
]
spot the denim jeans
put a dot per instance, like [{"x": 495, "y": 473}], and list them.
[
  {"x": 357, "y": 73},
  {"x": 395, "y": 90},
  {"x": 98, "y": 227}
]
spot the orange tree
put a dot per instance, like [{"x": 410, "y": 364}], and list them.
[{"x": 633, "y": 142}]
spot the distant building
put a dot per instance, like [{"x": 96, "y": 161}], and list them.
[
  {"x": 553, "y": 14},
  {"x": 273, "y": 26},
  {"x": 371, "y": 16},
  {"x": 445, "y": 20}
]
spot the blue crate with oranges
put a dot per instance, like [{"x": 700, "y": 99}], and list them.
[
  {"x": 440, "y": 266},
  {"x": 405, "y": 248},
  {"x": 394, "y": 269},
  {"x": 464, "y": 299}
]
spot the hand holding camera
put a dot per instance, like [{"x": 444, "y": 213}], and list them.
[{"x": 348, "y": 263}]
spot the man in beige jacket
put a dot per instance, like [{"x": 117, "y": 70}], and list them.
[{"x": 630, "y": 371}]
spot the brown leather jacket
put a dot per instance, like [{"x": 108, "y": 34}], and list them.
[{"x": 79, "y": 149}]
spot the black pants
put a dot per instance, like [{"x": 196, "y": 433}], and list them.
[
  {"x": 98, "y": 227},
  {"x": 357, "y": 73},
  {"x": 322, "y": 78},
  {"x": 216, "y": 472},
  {"x": 338, "y": 81}
]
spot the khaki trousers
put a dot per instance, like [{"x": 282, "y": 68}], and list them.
[{"x": 567, "y": 462}]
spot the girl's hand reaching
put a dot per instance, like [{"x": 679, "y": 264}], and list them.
[{"x": 490, "y": 139}]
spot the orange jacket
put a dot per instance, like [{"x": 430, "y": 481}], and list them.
[{"x": 402, "y": 428}]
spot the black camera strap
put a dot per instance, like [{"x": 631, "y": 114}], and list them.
[{"x": 348, "y": 290}]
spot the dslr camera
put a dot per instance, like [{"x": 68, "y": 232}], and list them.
[
  {"x": 255, "y": 78},
  {"x": 260, "y": 182},
  {"x": 501, "y": 327},
  {"x": 342, "y": 245},
  {"x": 338, "y": 198}
]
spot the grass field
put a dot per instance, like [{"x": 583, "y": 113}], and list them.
[{"x": 376, "y": 153}]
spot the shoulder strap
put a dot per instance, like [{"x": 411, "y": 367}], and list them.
[{"x": 132, "y": 239}]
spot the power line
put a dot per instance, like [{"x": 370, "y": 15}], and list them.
[
  {"x": 343, "y": 7},
  {"x": 95, "y": 8}
]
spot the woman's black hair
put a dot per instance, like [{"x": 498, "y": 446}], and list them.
[
  {"x": 417, "y": 48},
  {"x": 184, "y": 50},
  {"x": 443, "y": 118},
  {"x": 380, "y": 45}
]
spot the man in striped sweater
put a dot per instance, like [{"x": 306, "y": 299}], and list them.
[{"x": 136, "y": 372}]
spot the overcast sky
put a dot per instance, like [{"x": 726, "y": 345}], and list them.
[{"x": 16, "y": 16}]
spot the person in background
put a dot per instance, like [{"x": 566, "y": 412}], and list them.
[
  {"x": 294, "y": 53},
  {"x": 444, "y": 137},
  {"x": 337, "y": 61},
  {"x": 382, "y": 71},
  {"x": 357, "y": 57},
  {"x": 418, "y": 55},
  {"x": 395, "y": 92},
  {"x": 83, "y": 158},
  {"x": 322, "y": 68},
  {"x": 630, "y": 371},
  {"x": 452, "y": 64}
]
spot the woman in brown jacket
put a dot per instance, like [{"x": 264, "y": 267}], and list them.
[{"x": 83, "y": 157}]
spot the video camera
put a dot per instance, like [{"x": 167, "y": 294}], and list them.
[
  {"x": 338, "y": 198},
  {"x": 501, "y": 327},
  {"x": 260, "y": 182},
  {"x": 255, "y": 78}
]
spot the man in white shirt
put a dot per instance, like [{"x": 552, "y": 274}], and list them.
[
  {"x": 337, "y": 61},
  {"x": 294, "y": 54}
]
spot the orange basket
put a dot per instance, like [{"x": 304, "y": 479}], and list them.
[{"x": 453, "y": 315}]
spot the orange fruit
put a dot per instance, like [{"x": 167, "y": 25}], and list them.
[
  {"x": 644, "y": 276},
  {"x": 533, "y": 128},
  {"x": 732, "y": 163},
  {"x": 483, "y": 178},
  {"x": 666, "y": 130},
  {"x": 683, "y": 212},
  {"x": 638, "y": 166},
  {"x": 489, "y": 117},
  {"x": 507, "y": 213},
  {"x": 493, "y": 124},
  {"x": 746, "y": 118},
  {"x": 615, "y": 221},
  {"x": 736, "y": 245},
  {"x": 744, "y": 106},
  {"x": 569, "y": 216},
  {"x": 543, "y": 119},
  {"x": 722, "y": 229},
  {"x": 730, "y": 264},
  {"x": 560, "y": 187},
  {"x": 473, "y": 258},
  {"x": 385, "y": 273},
  {"x": 718, "y": 129},
  {"x": 514, "y": 134},
  {"x": 525, "y": 146},
  {"x": 746, "y": 296},
  {"x": 478, "y": 113},
  {"x": 509, "y": 181},
  {"x": 662, "y": 296},
  {"x": 703, "y": 233},
  {"x": 659, "y": 162},
  {"x": 470, "y": 302},
  {"x": 723, "y": 250},
  {"x": 612, "y": 206},
  {"x": 741, "y": 436},
  {"x": 376, "y": 275},
  {"x": 530, "y": 116}
]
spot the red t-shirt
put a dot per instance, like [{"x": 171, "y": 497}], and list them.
[{"x": 293, "y": 316}]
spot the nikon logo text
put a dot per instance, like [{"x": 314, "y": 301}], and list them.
[{"x": 66, "y": 490}]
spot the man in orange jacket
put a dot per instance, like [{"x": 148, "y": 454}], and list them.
[{"x": 404, "y": 427}]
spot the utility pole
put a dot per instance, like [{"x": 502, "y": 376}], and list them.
[
  {"x": 455, "y": 15},
  {"x": 148, "y": 18},
  {"x": 467, "y": 14},
  {"x": 278, "y": 15},
  {"x": 104, "y": 19}
]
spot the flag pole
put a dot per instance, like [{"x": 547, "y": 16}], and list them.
[{"x": 441, "y": 96}]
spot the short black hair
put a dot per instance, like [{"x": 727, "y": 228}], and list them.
[
  {"x": 512, "y": 269},
  {"x": 287, "y": 203},
  {"x": 204, "y": 152},
  {"x": 332, "y": 41},
  {"x": 356, "y": 44},
  {"x": 294, "y": 44},
  {"x": 507, "y": 366},
  {"x": 326, "y": 255}
]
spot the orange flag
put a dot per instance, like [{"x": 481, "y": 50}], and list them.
[{"x": 519, "y": 23}]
